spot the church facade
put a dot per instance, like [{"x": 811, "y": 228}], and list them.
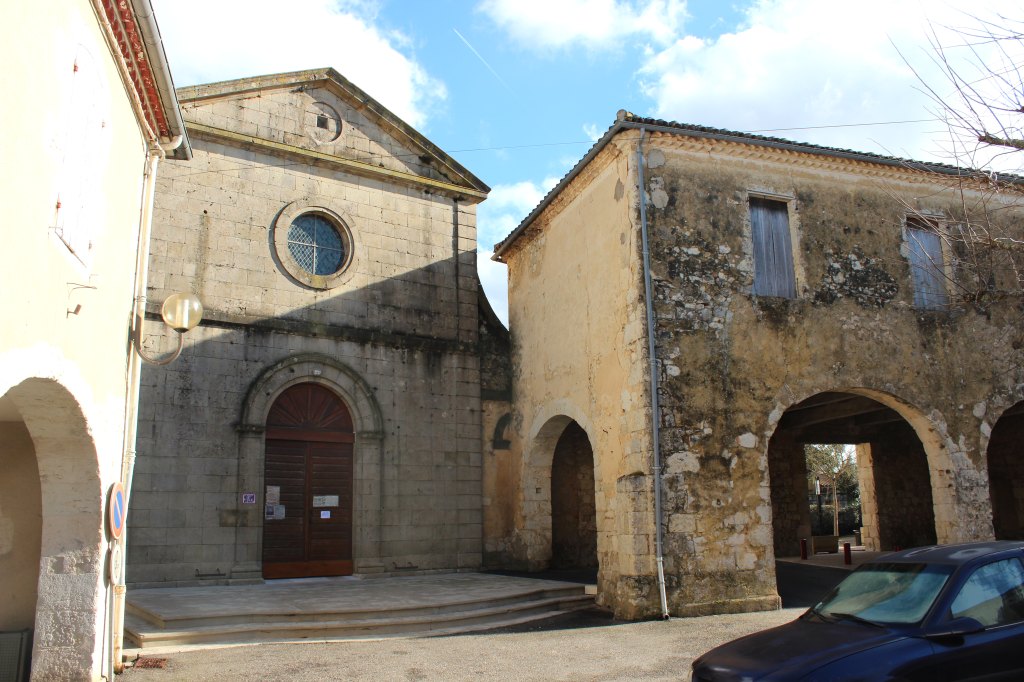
[{"x": 326, "y": 416}]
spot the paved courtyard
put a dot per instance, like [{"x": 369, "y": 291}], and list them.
[{"x": 576, "y": 647}]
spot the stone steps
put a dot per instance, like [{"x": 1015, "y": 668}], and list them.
[{"x": 151, "y": 630}]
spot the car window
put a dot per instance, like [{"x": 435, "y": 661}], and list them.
[
  {"x": 993, "y": 595},
  {"x": 887, "y": 592}
]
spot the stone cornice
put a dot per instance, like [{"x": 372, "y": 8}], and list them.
[
  {"x": 731, "y": 150},
  {"x": 202, "y": 131}
]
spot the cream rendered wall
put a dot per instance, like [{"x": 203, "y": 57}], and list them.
[
  {"x": 579, "y": 352},
  {"x": 41, "y": 341}
]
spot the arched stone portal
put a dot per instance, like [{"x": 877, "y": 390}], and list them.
[
  {"x": 368, "y": 427},
  {"x": 573, "y": 510},
  {"x": 561, "y": 463},
  {"x": 52, "y": 506},
  {"x": 1006, "y": 474},
  {"x": 894, "y": 471}
]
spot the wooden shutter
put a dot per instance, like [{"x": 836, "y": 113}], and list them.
[
  {"x": 926, "y": 266},
  {"x": 773, "y": 250}
]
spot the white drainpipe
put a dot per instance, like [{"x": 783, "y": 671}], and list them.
[{"x": 655, "y": 410}]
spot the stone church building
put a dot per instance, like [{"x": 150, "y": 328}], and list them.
[
  {"x": 692, "y": 306},
  {"x": 326, "y": 417}
]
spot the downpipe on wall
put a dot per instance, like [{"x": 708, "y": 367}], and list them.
[{"x": 655, "y": 409}]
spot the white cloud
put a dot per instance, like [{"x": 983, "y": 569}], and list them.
[
  {"x": 593, "y": 131},
  {"x": 811, "y": 63},
  {"x": 213, "y": 40},
  {"x": 557, "y": 24}
]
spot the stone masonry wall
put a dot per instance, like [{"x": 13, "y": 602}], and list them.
[
  {"x": 395, "y": 333},
  {"x": 731, "y": 362}
]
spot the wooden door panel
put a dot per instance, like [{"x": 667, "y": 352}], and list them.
[
  {"x": 331, "y": 475},
  {"x": 309, "y": 454}
]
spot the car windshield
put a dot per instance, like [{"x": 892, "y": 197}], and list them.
[{"x": 886, "y": 593}]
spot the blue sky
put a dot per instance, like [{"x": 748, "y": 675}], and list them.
[{"x": 517, "y": 90}]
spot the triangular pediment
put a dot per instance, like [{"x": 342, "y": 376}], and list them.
[{"x": 324, "y": 114}]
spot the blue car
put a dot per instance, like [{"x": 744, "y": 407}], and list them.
[{"x": 952, "y": 612}]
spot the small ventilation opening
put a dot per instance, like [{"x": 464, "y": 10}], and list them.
[{"x": 322, "y": 121}]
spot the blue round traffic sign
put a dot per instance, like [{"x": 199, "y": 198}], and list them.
[{"x": 117, "y": 510}]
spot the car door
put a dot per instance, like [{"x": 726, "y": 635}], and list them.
[{"x": 993, "y": 595}]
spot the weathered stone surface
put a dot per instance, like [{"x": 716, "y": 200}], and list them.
[
  {"x": 735, "y": 370},
  {"x": 395, "y": 333}
]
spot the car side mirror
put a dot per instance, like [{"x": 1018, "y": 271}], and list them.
[{"x": 958, "y": 627}]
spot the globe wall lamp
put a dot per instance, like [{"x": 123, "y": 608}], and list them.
[{"x": 181, "y": 312}]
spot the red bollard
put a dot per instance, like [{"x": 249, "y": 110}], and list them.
[
  {"x": 803, "y": 548},
  {"x": 847, "y": 558}
]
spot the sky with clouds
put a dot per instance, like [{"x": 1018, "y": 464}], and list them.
[{"x": 518, "y": 90}]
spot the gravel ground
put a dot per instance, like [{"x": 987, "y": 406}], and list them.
[{"x": 587, "y": 646}]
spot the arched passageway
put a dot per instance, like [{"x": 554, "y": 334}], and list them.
[
  {"x": 21, "y": 517},
  {"x": 892, "y": 470},
  {"x": 307, "y": 527},
  {"x": 573, "y": 510},
  {"x": 52, "y": 541},
  {"x": 1006, "y": 474}
]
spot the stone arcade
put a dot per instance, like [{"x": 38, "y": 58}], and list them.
[{"x": 799, "y": 295}]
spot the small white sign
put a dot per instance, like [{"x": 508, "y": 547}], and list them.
[
  {"x": 278, "y": 512},
  {"x": 273, "y": 494},
  {"x": 325, "y": 500},
  {"x": 325, "y": 514}
]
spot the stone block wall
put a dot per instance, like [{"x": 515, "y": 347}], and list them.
[{"x": 394, "y": 334}]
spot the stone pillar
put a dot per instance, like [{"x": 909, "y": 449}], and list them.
[
  {"x": 249, "y": 521},
  {"x": 787, "y": 471},
  {"x": 868, "y": 501}
]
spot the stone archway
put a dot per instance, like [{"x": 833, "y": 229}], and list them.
[
  {"x": 1006, "y": 474},
  {"x": 368, "y": 427},
  {"x": 902, "y": 473},
  {"x": 57, "y": 532},
  {"x": 537, "y": 503}
]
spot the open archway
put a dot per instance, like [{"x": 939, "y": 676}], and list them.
[
  {"x": 1006, "y": 474},
  {"x": 51, "y": 502},
  {"x": 573, "y": 510},
  {"x": 893, "y": 470},
  {"x": 560, "y": 513}
]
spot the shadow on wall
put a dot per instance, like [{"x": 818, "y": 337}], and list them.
[{"x": 412, "y": 339}]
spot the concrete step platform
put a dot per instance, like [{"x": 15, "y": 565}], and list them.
[{"x": 166, "y": 619}]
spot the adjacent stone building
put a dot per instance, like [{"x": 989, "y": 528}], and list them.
[
  {"x": 90, "y": 113},
  {"x": 326, "y": 417},
  {"x": 797, "y": 294}
]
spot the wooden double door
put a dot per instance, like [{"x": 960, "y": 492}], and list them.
[{"x": 307, "y": 526}]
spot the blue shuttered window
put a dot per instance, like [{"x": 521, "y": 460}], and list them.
[
  {"x": 927, "y": 269},
  {"x": 773, "y": 250}
]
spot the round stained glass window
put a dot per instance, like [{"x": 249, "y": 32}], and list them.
[{"x": 316, "y": 244}]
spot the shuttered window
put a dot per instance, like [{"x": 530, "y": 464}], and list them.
[
  {"x": 773, "y": 250},
  {"x": 927, "y": 268}
]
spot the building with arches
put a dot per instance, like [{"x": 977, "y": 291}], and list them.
[
  {"x": 81, "y": 155},
  {"x": 326, "y": 417},
  {"x": 690, "y": 307}
]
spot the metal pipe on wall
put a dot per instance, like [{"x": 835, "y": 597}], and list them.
[{"x": 655, "y": 410}]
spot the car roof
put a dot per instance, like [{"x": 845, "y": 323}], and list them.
[{"x": 954, "y": 555}]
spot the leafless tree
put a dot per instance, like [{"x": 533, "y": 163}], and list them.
[{"x": 980, "y": 97}]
